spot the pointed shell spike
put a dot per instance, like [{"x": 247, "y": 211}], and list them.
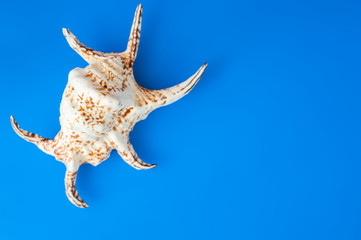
[
  {"x": 44, "y": 144},
  {"x": 172, "y": 94}
]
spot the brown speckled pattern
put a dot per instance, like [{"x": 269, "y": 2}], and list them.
[{"x": 100, "y": 106}]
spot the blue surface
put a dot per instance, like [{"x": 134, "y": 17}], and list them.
[{"x": 266, "y": 146}]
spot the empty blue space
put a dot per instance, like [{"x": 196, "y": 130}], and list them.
[{"x": 266, "y": 146}]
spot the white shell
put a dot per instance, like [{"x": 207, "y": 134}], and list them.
[{"x": 100, "y": 106}]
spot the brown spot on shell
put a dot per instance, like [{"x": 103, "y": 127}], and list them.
[{"x": 124, "y": 115}]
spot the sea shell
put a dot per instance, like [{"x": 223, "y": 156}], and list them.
[{"x": 100, "y": 106}]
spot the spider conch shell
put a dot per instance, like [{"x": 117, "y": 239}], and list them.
[{"x": 100, "y": 106}]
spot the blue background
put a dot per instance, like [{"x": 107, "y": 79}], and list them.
[{"x": 266, "y": 146}]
